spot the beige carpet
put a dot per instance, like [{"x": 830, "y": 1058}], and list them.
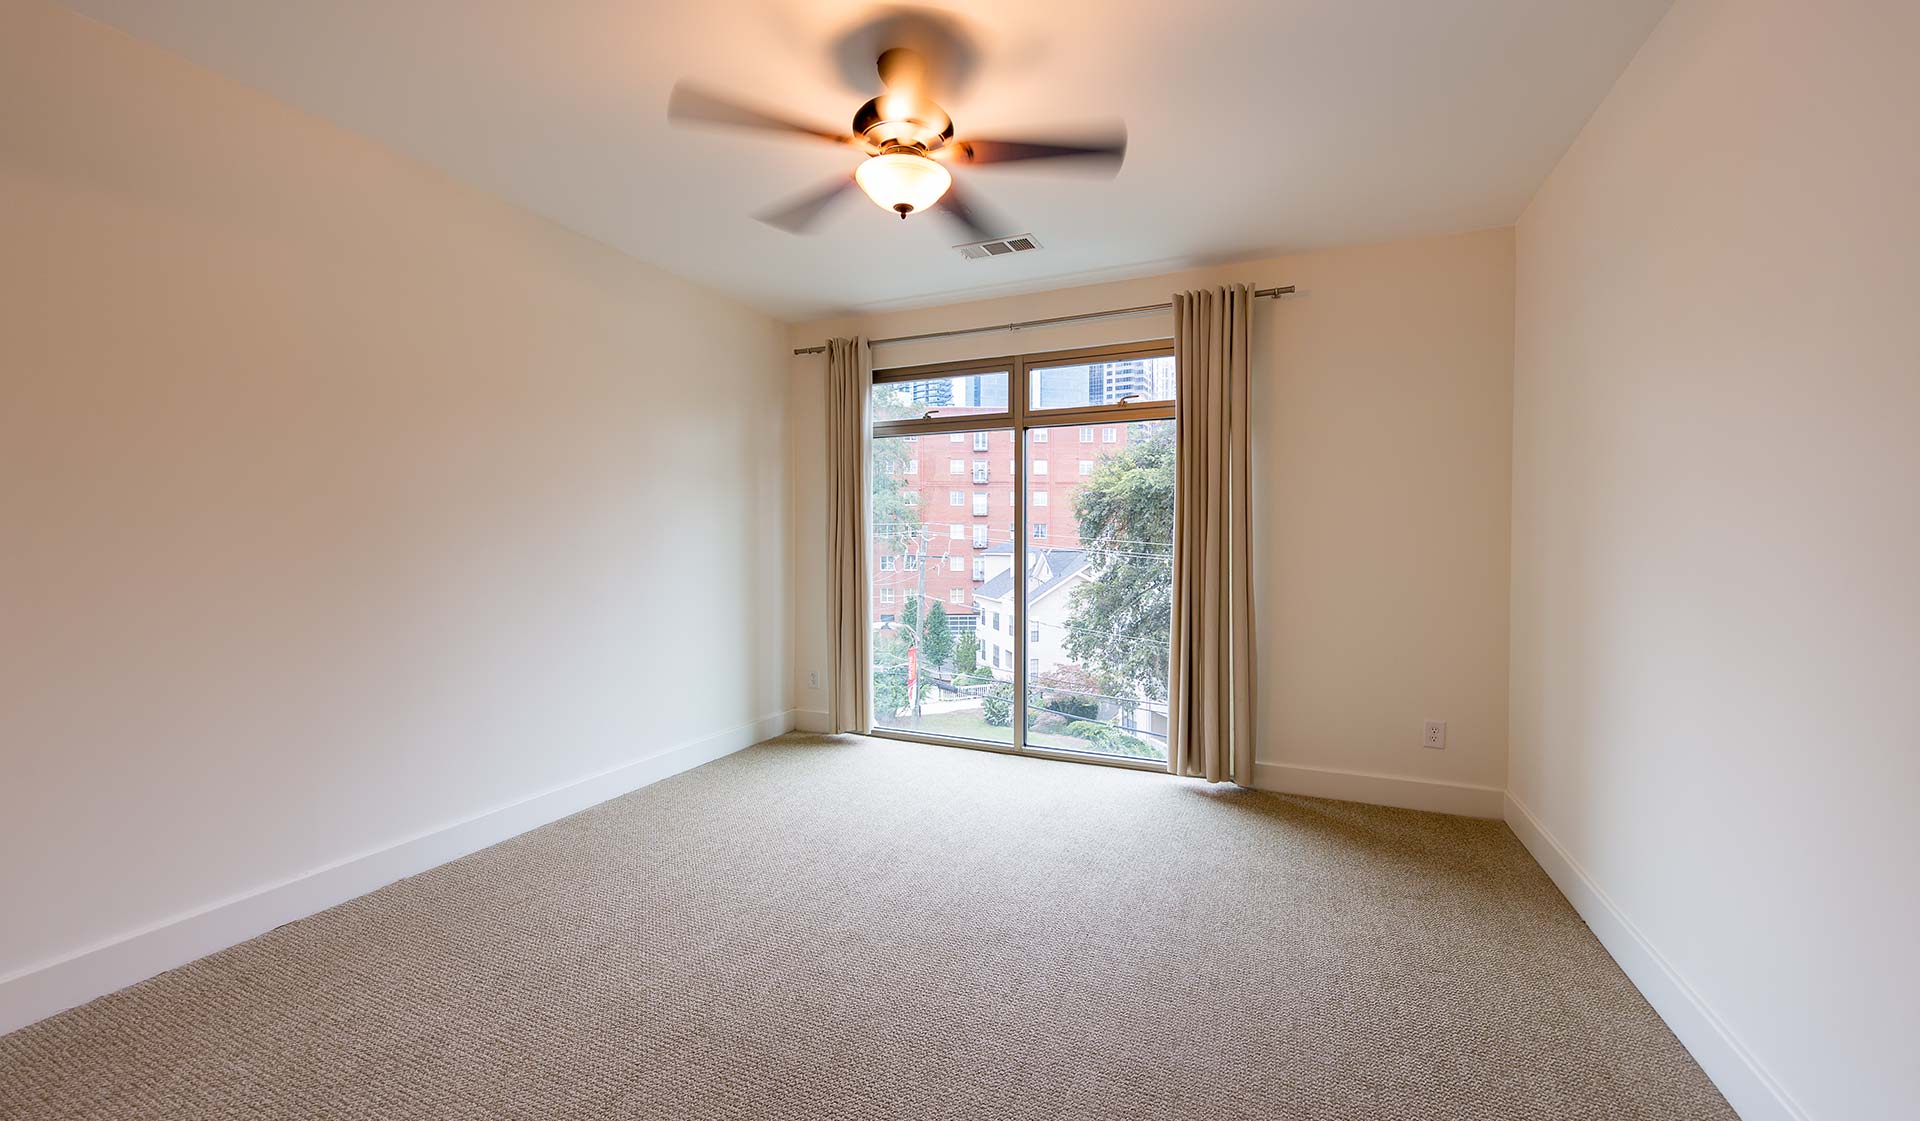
[{"x": 847, "y": 928}]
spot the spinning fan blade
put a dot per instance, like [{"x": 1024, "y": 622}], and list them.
[
  {"x": 981, "y": 224},
  {"x": 945, "y": 52},
  {"x": 693, "y": 105},
  {"x": 796, "y": 216},
  {"x": 1106, "y": 152}
]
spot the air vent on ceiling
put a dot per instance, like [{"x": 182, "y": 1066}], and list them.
[{"x": 1000, "y": 247}]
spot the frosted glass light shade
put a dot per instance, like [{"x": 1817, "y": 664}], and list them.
[{"x": 902, "y": 183}]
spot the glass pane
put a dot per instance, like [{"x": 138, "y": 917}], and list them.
[
  {"x": 942, "y": 610},
  {"x": 1100, "y": 590},
  {"x": 947, "y": 396},
  {"x": 1099, "y": 383}
]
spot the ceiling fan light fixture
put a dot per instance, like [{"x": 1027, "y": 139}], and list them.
[{"x": 902, "y": 183}]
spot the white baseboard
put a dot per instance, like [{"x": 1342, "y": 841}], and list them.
[
  {"x": 1747, "y": 1086},
  {"x": 41, "y": 990},
  {"x": 1435, "y": 795},
  {"x": 812, "y": 720}
]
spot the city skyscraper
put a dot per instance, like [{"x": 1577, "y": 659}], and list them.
[{"x": 936, "y": 391}]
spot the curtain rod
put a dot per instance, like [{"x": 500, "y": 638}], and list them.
[{"x": 1023, "y": 325}]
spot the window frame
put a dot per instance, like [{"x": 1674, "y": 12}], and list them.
[
  {"x": 1087, "y": 356},
  {"x": 958, "y": 424},
  {"x": 1017, "y": 414},
  {"x": 1021, "y": 419}
]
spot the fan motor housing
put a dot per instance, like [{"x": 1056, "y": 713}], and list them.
[{"x": 893, "y": 120}]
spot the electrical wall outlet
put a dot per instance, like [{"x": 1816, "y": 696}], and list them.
[
  {"x": 1436, "y": 735},
  {"x": 813, "y": 680}
]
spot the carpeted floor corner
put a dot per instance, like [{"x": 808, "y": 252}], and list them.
[{"x": 836, "y": 927}]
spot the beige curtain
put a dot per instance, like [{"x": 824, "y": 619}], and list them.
[
  {"x": 849, "y": 374},
  {"x": 1211, "y": 722}
]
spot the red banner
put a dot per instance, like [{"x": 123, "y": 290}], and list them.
[{"x": 913, "y": 672}]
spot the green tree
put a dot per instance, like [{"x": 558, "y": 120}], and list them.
[
  {"x": 889, "y": 675},
  {"x": 936, "y": 641},
  {"x": 966, "y": 653},
  {"x": 889, "y": 503},
  {"x": 1119, "y": 620},
  {"x": 896, "y": 523}
]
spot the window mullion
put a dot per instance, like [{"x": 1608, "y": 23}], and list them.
[{"x": 1017, "y": 407}]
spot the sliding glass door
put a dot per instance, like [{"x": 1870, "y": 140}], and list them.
[{"x": 1021, "y": 553}]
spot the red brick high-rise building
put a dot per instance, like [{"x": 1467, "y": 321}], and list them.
[{"x": 961, "y": 486}]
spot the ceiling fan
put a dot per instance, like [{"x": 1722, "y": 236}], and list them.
[{"x": 909, "y": 142}]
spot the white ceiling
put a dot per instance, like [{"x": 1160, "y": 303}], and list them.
[{"x": 1255, "y": 127}]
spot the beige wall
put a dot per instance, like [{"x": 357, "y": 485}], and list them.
[
  {"x": 340, "y": 502},
  {"x": 1381, "y": 445},
  {"x": 1716, "y": 610}
]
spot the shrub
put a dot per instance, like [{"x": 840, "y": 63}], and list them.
[
  {"x": 1073, "y": 706},
  {"x": 1110, "y": 739},
  {"x": 997, "y": 707}
]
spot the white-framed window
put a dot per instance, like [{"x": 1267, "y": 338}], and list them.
[
  {"x": 910, "y": 498},
  {"x": 1033, "y": 632},
  {"x": 956, "y": 533},
  {"x": 980, "y": 441},
  {"x": 956, "y": 595},
  {"x": 913, "y": 466},
  {"x": 956, "y": 564},
  {"x": 996, "y": 657},
  {"x": 1039, "y": 435},
  {"x": 886, "y": 563},
  {"x": 956, "y": 498},
  {"x": 996, "y": 620},
  {"x": 1039, "y": 531},
  {"x": 1109, "y": 435},
  {"x": 1086, "y": 468},
  {"x": 913, "y": 562},
  {"x": 886, "y": 595},
  {"x": 980, "y": 471},
  {"x": 1039, "y": 498},
  {"x": 1033, "y": 666},
  {"x": 979, "y": 536},
  {"x": 956, "y": 437},
  {"x": 1039, "y": 468},
  {"x": 956, "y": 466},
  {"x": 980, "y": 505},
  {"x": 1086, "y": 434},
  {"x": 979, "y": 570},
  {"x": 1011, "y": 464}
]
